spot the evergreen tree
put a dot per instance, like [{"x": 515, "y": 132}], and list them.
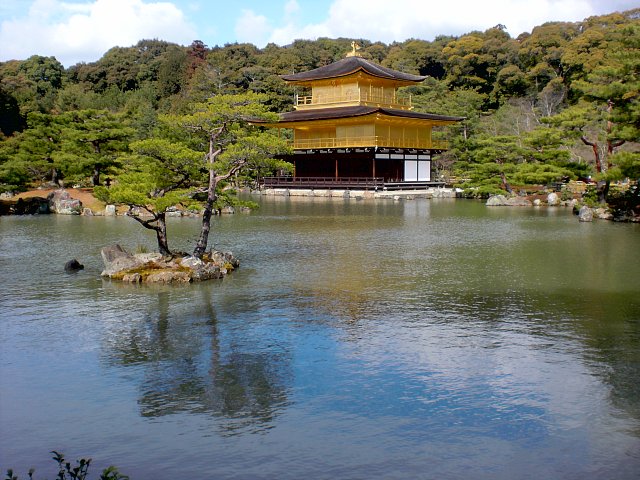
[
  {"x": 159, "y": 175},
  {"x": 92, "y": 141},
  {"x": 38, "y": 147},
  {"x": 222, "y": 126},
  {"x": 189, "y": 159}
]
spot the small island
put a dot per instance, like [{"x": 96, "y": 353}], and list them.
[{"x": 157, "y": 268}]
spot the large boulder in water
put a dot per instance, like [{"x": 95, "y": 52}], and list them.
[
  {"x": 223, "y": 259},
  {"x": 553, "y": 199},
  {"x": 168, "y": 276},
  {"x": 603, "y": 213},
  {"x": 61, "y": 202},
  {"x": 201, "y": 270},
  {"x": 73, "y": 266},
  {"x": 518, "y": 202},
  {"x": 504, "y": 201},
  {"x": 496, "y": 201},
  {"x": 585, "y": 214},
  {"x": 25, "y": 206}
]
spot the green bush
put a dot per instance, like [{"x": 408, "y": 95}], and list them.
[
  {"x": 566, "y": 194},
  {"x": 78, "y": 472},
  {"x": 590, "y": 197},
  {"x": 623, "y": 201},
  {"x": 482, "y": 191}
]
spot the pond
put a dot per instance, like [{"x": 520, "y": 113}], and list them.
[{"x": 359, "y": 339}]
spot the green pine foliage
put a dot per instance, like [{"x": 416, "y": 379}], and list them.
[{"x": 190, "y": 159}]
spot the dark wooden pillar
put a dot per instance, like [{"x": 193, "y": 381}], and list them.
[
  {"x": 336, "y": 167},
  {"x": 373, "y": 165}
]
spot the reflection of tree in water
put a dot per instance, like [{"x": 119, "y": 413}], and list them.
[{"x": 190, "y": 366}]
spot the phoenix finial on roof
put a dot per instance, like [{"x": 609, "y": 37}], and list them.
[{"x": 354, "y": 52}]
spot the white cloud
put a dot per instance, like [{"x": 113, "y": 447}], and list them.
[
  {"x": 291, "y": 8},
  {"x": 260, "y": 30},
  {"x": 402, "y": 19},
  {"x": 75, "y": 32},
  {"x": 286, "y": 34},
  {"x": 83, "y": 30},
  {"x": 252, "y": 28}
]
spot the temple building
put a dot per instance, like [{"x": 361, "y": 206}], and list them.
[{"x": 352, "y": 129}]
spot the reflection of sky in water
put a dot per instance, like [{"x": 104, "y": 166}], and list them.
[
  {"x": 414, "y": 374},
  {"x": 464, "y": 394}
]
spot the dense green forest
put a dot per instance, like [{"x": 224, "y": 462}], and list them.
[{"x": 561, "y": 102}]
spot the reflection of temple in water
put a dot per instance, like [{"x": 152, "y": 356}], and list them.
[{"x": 189, "y": 365}]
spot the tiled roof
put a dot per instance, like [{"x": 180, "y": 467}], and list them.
[
  {"x": 345, "y": 112},
  {"x": 350, "y": 65}
]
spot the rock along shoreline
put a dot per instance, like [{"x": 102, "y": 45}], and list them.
[
  {"x": 583, "y": 212},
  {"x": 76, "y": 201}
]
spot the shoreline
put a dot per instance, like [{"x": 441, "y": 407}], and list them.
[
  {"x": 358, "y": 194},
  {"x": 48, "y": 201}
]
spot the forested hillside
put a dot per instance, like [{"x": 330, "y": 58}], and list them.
[{"x": 561, "y": 102}]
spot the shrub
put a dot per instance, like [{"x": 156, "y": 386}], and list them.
[{"x": 78, "y": 472}]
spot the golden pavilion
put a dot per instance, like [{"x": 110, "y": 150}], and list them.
[{"x": 352, "y": 129}]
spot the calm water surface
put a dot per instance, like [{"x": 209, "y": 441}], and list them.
[{"x": 358, "y": 340}]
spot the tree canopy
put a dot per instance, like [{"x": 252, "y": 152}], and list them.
[
  {"x": 189, "y": 156},
  {"x": 561, "y": 101}
]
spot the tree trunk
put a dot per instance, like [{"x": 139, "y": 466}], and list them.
[
  {"x": 160, "y": 228},
  {"x": 611, "y": 145},
  {"x": 203, "y": 240},
  {"x": 505, "y": 184},
  {"x": 55, "y": 176},
  {"x": 161, "y": 234},
  {"x": 95, "y": 178},
  {"x": 596, "y": 153}
]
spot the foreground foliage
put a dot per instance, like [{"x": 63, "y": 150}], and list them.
[{"x": 67, "y": 471}]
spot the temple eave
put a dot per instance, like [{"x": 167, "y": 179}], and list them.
[{"x": 309, "y": 117}]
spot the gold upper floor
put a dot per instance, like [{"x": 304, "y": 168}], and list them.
[{"x": 355, "y": 90}]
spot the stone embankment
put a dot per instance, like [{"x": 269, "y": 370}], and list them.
[
  {"x": 584, "y": 213},
  {"x": 48, "y": 200},
  {"x": 551, "y": 200},
  {"x": 76, "y": 201},
  {"x": 56, "y": 201},
  {"x": 359, "y": 194},
  {"x": 155, "y": 268}
]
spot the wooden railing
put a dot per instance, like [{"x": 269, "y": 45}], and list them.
[
  {"x": 368, "y": 141},
  {"x": 394, "y": 101},
  {"x": 322, "y": 182}
]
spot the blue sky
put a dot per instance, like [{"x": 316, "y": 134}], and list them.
[{"x": 83, "y": 30}]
